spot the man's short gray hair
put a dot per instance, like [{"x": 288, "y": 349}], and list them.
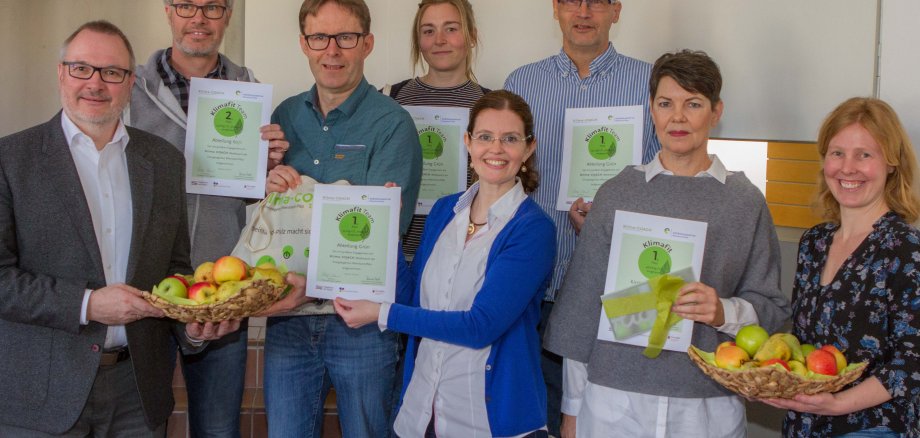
[
  {"x": 229, "y": 3},
  {"x": 103, "y": 27}
]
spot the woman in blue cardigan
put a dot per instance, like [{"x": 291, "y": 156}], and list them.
[{"x": 471, "y": 300}]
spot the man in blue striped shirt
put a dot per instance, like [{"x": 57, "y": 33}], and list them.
[{"x": 587, "y": 73}]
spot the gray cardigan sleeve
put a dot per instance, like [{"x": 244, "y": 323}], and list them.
[
  {"x": 760, "y": 281},
  {"x": 572, "y": 328}
]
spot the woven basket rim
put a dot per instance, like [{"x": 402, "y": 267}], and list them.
[
  {"x": 744, "y": 382},
  {"x": 230, "y": 307}
]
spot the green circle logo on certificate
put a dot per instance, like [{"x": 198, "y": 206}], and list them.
[
  {"x": 228, "y": 122},
  {"x": 602, "y": 146},
  {"x": 654, "y": 261},
  {"x": 432, "y": 145},
  {"x": 355, "y": 227}
]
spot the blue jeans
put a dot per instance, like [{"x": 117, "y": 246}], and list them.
[
  {"x": 214, "y": 379},
  {"x": 875, "y": 432},
  {"x": 305, "y": 354}
]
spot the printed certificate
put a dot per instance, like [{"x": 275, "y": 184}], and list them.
[
  {"x": 224, "y": 151},
  {"x": 353, "y": 243},
  {"x": 597, "y": 144},
  {"x": 642, "y": 247},
  {"x": 444, "y": 169}
]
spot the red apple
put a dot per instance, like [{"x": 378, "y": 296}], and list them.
[
  {"x": 838, "y": 356},
  {"x": 769, "y": 362},
  {"x": 230, "y": 268},
  {"x": 822, "y": 362},
  {"x": 203, "y": 292}
]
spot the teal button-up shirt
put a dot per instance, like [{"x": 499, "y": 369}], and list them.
[{"x": 367, "y": 140}]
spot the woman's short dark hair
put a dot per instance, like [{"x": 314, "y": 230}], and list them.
[
  {"x": 506, "y": 100},
  {"x": 693, "y": 70}
]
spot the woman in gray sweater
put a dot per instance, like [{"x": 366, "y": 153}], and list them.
[{"x": 611, "y": 388}]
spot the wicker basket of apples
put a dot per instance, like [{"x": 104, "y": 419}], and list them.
[
  {"x": 220, "y": 290},
  {"x": 758, "y": 365}
]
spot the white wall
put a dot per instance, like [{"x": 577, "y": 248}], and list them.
[
  {"x": 900, "y": 62},
  {"x": 31, "y": 33},
  {"x": 786, "y": 63}
]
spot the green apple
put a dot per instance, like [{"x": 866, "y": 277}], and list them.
[
  {"x": 807, "y": 349},
  {"x": 172, "y": 286},
  {"x": 751, "y": 337}
]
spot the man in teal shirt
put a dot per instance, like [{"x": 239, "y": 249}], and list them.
[{"x": 342, "y": 129}]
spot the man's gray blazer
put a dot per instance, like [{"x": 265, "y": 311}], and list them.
[{"x": 49, "y": 256}]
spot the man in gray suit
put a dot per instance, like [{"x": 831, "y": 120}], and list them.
[{"x": 90, "y": 211}]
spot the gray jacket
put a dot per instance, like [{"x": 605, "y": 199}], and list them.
[
  {"x": 215, "y": 222},
  {"x": 49, "y": 256}
]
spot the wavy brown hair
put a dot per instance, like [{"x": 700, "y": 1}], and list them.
[
  {"x": 883, "y": 124},
  {"x": 506, "y": 100}
]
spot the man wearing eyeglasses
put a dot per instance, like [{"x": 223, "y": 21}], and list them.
[
  {"x": 587, "y": 73},
  {"x": 215, "y": 378},
  {"x": 341, "y": 129},
  {"x": 83, "y": 230}
]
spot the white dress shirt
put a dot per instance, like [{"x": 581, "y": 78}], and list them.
[
  {"x": 600, "y": 409},
  {"x": 448, "y": 382},
  {"x": 104, "y": 177}
]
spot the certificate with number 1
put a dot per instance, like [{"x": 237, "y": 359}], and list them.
[
  {"x": 597, "y": 144},
  {"x": 224, "y": 151},
  {"x": 644, "y": 246},
  {"x": 353, "y": 243}
]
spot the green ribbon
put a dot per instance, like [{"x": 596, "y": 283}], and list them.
[{"x": 661, "y": 299}]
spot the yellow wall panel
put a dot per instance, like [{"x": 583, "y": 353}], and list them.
[
  {"x": 791, "y": 193},
  {"x": 792, "y": 171},
  {"x": 793, "y": 151},
  {"x": 794, "y": 216}
]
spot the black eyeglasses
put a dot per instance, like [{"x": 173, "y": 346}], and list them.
[
  {"x": 594, "y": 5},
  {"x": 111, "y": 75},
  {"x": 188, "y": 10},
  {"x": 345, "y": 40}
]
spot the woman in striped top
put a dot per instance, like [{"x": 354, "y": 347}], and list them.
[{"x": 444, "y": 35}]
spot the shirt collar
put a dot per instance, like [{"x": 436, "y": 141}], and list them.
[
  {"x": 716, "y": 169},
  {"x": 72, "y": 132},
  {"x": 602, "y": 63},
  {"x": 348, "y": 107},
  {"x": 502, "y": 209},
  {"x": 173, "y": 76}
]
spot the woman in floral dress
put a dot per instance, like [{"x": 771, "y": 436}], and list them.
[{"x": 857, "y": 284}]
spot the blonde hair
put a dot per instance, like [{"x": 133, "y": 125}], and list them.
[
  {"x": 881, "y": 121},
  {"x": 467, "y": 22}
]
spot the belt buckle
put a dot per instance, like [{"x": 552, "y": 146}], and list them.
[{"x": 113, "y": 357}]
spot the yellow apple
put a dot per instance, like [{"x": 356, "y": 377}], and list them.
[
  {"x": 731, "y": 356},
  {"x": 204, "y": 273},
  {"x": 229, "y": 268}
]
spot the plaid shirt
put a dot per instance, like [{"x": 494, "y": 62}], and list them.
[{"x": 179, "y": 84}]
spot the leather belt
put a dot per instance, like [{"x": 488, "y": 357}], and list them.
[{"x": 113, "y": 357}]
